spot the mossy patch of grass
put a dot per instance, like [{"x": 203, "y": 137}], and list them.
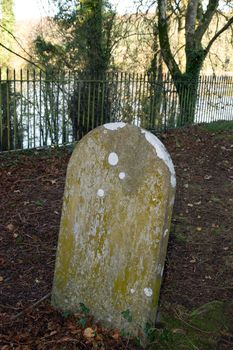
[
  {"x": 224, "y": 137},
  {"x": 221, "y": 125},
  {"x": 200, "y": 329}
]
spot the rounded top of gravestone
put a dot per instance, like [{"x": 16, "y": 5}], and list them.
[{"x": 158, "y": 146}]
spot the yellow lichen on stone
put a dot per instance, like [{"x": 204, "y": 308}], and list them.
[{"x": 114, "y": 226}]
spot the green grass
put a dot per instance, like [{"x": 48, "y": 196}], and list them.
[
  {"x": 221, "y": 125},
  {"x": 200, "y": 329}
]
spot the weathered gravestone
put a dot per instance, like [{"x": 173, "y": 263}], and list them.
[{"x": 117, "y": 208}]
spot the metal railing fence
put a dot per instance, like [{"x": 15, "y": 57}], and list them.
[{"x": 40, "y": 109}]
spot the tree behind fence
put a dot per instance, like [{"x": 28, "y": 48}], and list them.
[{"x": 40, "y": 109}]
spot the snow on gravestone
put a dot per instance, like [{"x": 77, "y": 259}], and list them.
[{"x": 117, "y": 208}]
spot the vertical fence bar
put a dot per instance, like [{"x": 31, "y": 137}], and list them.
[
  {"x": 224, "y": 98},
  {"x": 14, "y": 113},
  {"x": 124, "y": 95},
  {"x": 34, "y": 107},
  {"x": 139, "y": 98},
  {"x": 83, "y": 106},
  {"x": 217, "y": 97},
  {"x": 127, "y": 97},
  {"x": 154, "y": 88},
  {"x": 211, "y": 100},
  {"x": 28, "y": 111},
  {"x": 162, "y": 125},
  {"x": 151, "y": 94},
  {"x": 200, "y": 87},
  {"x": 1, "y": 114},
  {"x": 96, "y": 101},
  {"x": 111, "y": 87},
  {"x": 102, "y": 101},
  {"x": 89, "y": 84},
  {"x": 21, "y": 107},
  {"x": 132, "y": 99},
  {"x": 115, "y": 96},
  {"x": 79, "y": 110},
  {"x": 106, "y": 104},
  {"x": 93, "y": 121},
  {"x": 172, "y": 103},
  {"x": 143, "y": 101},
  {"x": 219, "y": 94},
  {"x": 57, "y": 114},
  {"x": 8, "y": 101},
  {"x": 189, "y": 103},
  {"x": 229, "y": 92},
  {"x": 109, "y": 96},
  {"x": 45, "y": 99},
  {"x": 166, "y": 92},
  {"x": 203, "y": 98},
  {"x": 40, "y": 109},
  {"x": 52, "y": 108},
  {"x": 63, "y": 124},
  {"x": 136, "y": 100},
  {"x": 68, "y": 80},
  {"x": 119, "y": 95},
  {"x": 147, "y": 102},
  {"x": 183, "y": 116}
]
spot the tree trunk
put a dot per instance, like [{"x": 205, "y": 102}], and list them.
[
  {"x": 89, "y": 103},
  {"x": 11, "y": 135},
  {"x": 187, "y": 90},
  {"x": 6, "y": 134}
]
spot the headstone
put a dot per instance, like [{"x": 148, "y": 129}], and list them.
[{"x": 117, "y": 208}]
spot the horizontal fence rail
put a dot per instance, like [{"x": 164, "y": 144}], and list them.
[{"x": 39, "y": 109}]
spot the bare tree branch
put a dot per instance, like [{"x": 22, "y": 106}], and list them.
[
  {"x": 164, "y": 39},
  {"x": 223, "y": 29},
  {"x": 16, "y": 40},
  {"x": 24, "y": 58},
  {"x": 206, "y": 19},
  {"x": 190, "y": 22}
]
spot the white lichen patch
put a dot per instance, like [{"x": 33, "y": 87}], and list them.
[
  {"x": 148, "y": 292},
  {"x": 172, "y": 201},
  {"x": 159, "y": 269},
  {"x": 113, "y": 159},
  {"x": 76, "y": 229},
  {"x": 162, "y": 271},
  {"x": 132, "y": 291},
  {"x": 100, "y": 193},
  {"x": 99, "y": 256},
  {"x": 122, "y": 175},
  {"x": 114, "y": 126},
  {"x": 161, "y": 153},
  {"x": 165, "y": 233}
]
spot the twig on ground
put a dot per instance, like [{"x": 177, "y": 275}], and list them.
[
  {"x": 31, "y": 306},
  {"x": 190, "y": 325}
]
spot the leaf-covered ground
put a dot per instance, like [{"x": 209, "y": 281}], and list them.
[{"x": 196, "y": 297}]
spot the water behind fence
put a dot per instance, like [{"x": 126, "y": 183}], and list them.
[{"x": 40, "y": 109}]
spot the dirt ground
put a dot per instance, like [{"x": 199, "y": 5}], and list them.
[{"x": 199, "y": 266}]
